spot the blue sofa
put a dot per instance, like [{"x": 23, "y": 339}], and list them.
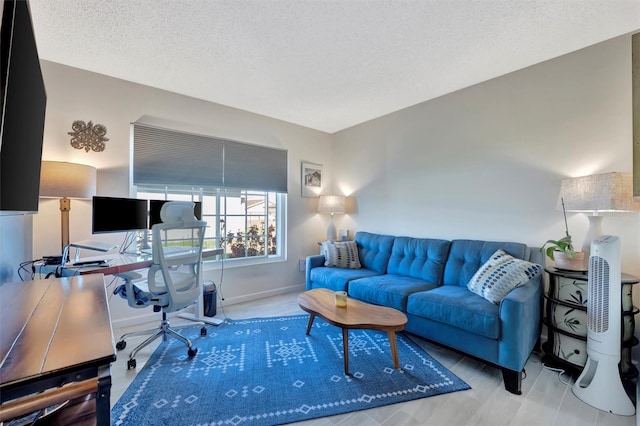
[{"x": 427, "y": 280}]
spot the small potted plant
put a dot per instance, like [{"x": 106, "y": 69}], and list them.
[{"x": 561, "y": 251}]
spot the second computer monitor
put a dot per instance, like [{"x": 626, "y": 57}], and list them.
[{"x": 156, "y": 205}]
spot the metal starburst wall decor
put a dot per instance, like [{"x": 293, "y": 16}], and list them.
[{"x": 87, "y": 136}]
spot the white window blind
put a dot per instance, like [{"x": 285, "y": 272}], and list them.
[{"x": 171, "y": 157}]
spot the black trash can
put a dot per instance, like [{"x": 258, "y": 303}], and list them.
[{"x": 209, "y": 296}]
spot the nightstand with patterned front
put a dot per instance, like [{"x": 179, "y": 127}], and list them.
[{"x": 566, "y": 321}]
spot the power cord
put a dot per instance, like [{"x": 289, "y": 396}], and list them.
[
  {"x": 560, "y": 372},
  {"x": 224, "y": 315},
  {"x": 223, "y": 229},
  {"x": 108, "y": 286},
  {"x": 23, "y": 268},
  {"x": 129, "y": 238},
  {"x": 222, "y": 275}
]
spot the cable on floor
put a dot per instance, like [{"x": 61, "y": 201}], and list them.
[{"x": 560, "y": 372}]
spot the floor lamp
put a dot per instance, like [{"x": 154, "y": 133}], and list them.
[
  {"x": 65, "y": 181},
  {"x": 596, "y": 194},
  {"x": 331, "y": 204}
]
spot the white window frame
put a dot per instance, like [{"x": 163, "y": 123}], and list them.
[{"x": 198, "y": 194}]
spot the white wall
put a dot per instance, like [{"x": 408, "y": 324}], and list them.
[
  {"x": 15, "y": 246},
  {"x": 75, "y": 94},
  {"x": 486, "y": 162}
]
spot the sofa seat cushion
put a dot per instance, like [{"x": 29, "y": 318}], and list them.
[
  {"x": 337, "y": 279},
  {"x": 387, "y": 290},
  {"x": 458, "y": 307}
]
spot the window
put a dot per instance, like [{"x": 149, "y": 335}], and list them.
[
  {"x": 174, "y": 165},
  {"x": 246, "y": 224}
]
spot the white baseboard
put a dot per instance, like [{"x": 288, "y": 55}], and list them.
[
  {"x": 261, "y": 295},
  {"x": 149, "y": 316}
]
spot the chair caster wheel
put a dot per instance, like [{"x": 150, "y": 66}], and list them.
[
  {"x": 131, "y": 364},
  {"x": 121, "y": 345},
  {"x": 192, "y": 352},
  {"x": 203, "y": 331}
]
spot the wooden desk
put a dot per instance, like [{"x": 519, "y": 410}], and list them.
[
  {"x": 118, "y": 263},
  {"x": 56, "y": 340}
]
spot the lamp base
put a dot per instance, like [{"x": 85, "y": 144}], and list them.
[
  {"x": 332, "y": 234},
  {"x": 594, "y": 231},
  {"x": 65, "y": 207}
]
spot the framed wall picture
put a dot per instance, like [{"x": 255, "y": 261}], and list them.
[{"x": 311, "y": 179}]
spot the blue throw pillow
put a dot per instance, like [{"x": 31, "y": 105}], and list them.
[{"x": 501, "y": 274}]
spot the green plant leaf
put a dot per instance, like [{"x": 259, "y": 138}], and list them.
[{"x": 562, "y": 245}]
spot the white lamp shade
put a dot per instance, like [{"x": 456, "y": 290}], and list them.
[
  {"x": 331, "y": 204},
  {"x": 70, "y": 180},
  {"x": 606, "y": 192}
]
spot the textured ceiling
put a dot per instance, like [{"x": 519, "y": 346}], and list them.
[{"x": 324, "y": 64}]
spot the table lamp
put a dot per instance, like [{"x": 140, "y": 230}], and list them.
[
  {"x": 331, "y": 204},
  {"x": 601, "y": 193},
  {"x": 65, "y": 181}
]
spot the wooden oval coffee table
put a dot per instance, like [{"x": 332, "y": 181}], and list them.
[{"x": 320, "y": 302}]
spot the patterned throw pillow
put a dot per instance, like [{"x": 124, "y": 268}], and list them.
[
  {"x": 342, "y": 254},
  {"x": 501, "y": 274}
]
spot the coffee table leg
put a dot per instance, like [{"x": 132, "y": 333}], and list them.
[
  {"x": 345, "y": 344},
  {"x": 310, "y": 323},
  {"x": 394, "y": 349}
]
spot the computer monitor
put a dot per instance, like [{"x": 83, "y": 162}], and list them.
[
  {"x": 113, "y": 214},
  {"x": 156, "y": 205}
]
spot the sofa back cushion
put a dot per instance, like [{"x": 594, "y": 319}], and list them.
[
  {"x": 421, "y": 258},
  {"x": 374, "y": 250},
  {"x": 467, "y": 256}
]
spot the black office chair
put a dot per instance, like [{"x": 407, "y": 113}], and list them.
[{"x": 173, "y": 280}]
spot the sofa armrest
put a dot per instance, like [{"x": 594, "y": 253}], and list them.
[
  {"x": 312, "y": 262},
  {"x": 521, "y": 319}
]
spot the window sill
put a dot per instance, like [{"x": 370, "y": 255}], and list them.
[{"x": 209, "y": 265}]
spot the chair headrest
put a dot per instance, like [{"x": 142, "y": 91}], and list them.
[{"x": 178, "y": 211}]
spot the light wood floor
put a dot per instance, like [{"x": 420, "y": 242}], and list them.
[{"x": 546, "y": 397}]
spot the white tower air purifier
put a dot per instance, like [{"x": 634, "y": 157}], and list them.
[{"x": 600, "y": 384}]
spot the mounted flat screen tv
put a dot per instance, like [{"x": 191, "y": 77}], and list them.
[
  {"x": 22, "y": 111},
  {"x": 112, "y": 214},
  {"x": 156, "y": 205}
]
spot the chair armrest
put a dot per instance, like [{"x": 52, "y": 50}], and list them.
[
  {"x": 137, "y": 296},
  {"x": 129, "y": 276},
  {"x": 312, "y": 262},
  {"x": 521, "y": 319}
]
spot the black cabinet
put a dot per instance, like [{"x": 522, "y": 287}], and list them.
[{"x": 566, "y": 321}]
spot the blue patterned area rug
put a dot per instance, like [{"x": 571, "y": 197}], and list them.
[{"x": 266, "y": 371}]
